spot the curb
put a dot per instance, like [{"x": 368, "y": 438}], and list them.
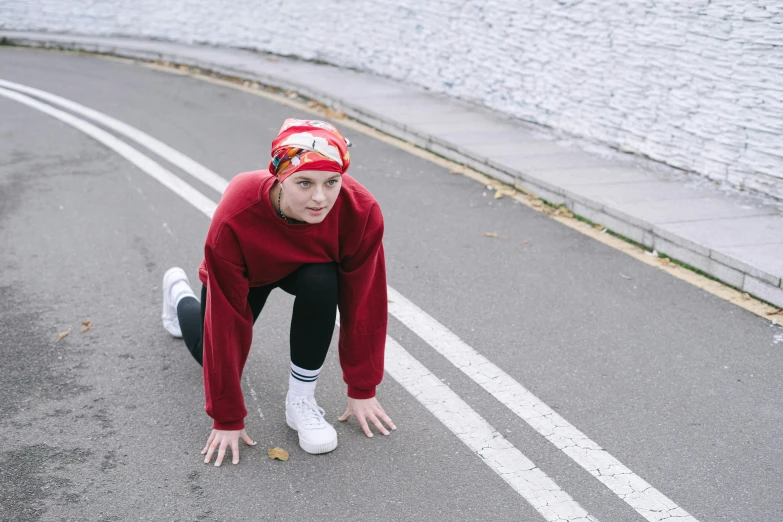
[{"x": 735, "y": 273}]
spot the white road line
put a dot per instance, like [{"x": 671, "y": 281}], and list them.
[
  {"x": 255, "y": 397},
  {"x": 192, "y": 167},
  {"x": 500, "y": 455},
  {"x": 645, "y": 499},
  {"x": 169, "y": 180}
]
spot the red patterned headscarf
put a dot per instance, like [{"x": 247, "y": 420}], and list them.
[{"x": 308, "y": 145}]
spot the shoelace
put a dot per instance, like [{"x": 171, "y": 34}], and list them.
[{"x": 311, "y": 414}]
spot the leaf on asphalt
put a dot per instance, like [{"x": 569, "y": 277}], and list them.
[
  {"x": 491, "y": 234},
  {"x": 278, "y": 453},
  {"x": 536, "y": 203},
  {"x": 776, "y": 312},
  {"x": 625, "y": 276},
  {"x": 87, "y": 326},
  {"x": 598, "y": 227},
  {"x": 563, "y": 211},
  {"x": 63, "y": 334},
  {"x": 499, "y": 194}
]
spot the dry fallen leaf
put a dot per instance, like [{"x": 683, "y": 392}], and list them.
[
  {"x": 87, "y": 326},
  {"x": 746, "y": 297},
  {"x": 536, "y": 203},
  {"x": 776, "y": 312},
  {"x": 63, "y": 334},
  {"x": 454, "y": 172},
  {"x": 491, "y": 234},
  {"x": 598, "y": 227},
  {"x": 499, "y": 194},
  {"x": 625, "y": 276},
  {"x": 333, "y": 114},
  {"x": 278, "y": 453}
]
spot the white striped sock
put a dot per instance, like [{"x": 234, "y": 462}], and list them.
[{"x": 302, "y": 382}]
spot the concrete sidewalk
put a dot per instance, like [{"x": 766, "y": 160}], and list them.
[{"x": 734, "y": 237}]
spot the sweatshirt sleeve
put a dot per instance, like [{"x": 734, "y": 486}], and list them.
[
  {"x": 364, "y": 311},
  {"x": 228, "y": 330}
]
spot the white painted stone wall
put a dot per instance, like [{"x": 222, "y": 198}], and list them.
[{"x": 697, "y": 84}]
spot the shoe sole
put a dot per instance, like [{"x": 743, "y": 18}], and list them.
[
  {"x": 166, "y": 303},
  {"x": 315, "y": 449}
]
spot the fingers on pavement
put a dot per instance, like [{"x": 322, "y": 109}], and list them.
[
  {"x": 235, "y": 451},
  {"x": 364, "y": 425},
  {"x": 221, "y": 453}
]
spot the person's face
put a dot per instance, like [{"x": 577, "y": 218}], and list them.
[{"x": 309, "y": 195}]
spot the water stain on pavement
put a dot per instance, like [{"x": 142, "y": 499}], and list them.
[
  {"x": 30, "y": 366},
  {"x": 34, "y": 474}
]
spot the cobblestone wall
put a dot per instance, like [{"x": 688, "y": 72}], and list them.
[{"x": 695, "y": 84}]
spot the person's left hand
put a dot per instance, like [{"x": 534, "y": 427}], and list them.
[{"x": 365, "y": 409}]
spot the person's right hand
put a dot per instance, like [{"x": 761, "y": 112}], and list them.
[{"x": 223, "y": 439}]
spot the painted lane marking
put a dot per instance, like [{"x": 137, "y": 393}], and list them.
[
  {"x": 187, "y": 164},
  {"x": 496, "y": 451},
  {"x": 255, "y": 397},
  {"x": 500, "y": 455},
  {"x": 641, "y": 496},
  {"x": 145, "y": 163}
]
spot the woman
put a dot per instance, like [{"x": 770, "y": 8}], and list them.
[{"x": 307, "y": 227}]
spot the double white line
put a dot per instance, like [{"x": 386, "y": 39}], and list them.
[{"x": 497, "y": 452}]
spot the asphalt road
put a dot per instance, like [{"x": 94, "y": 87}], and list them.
[{"x": 680, "y": 386}]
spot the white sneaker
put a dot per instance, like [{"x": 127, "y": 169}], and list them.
[
  {"x": 169, "y": 315},
  {"x": 315, "y": 434}
]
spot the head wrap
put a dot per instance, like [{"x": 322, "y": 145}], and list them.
[{"x": 308, "y": 145}]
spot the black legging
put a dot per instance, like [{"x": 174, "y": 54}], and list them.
[{"x": 312, "y": 325}]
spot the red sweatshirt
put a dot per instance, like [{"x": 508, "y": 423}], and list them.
[{"x": 249, "y": 245}]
